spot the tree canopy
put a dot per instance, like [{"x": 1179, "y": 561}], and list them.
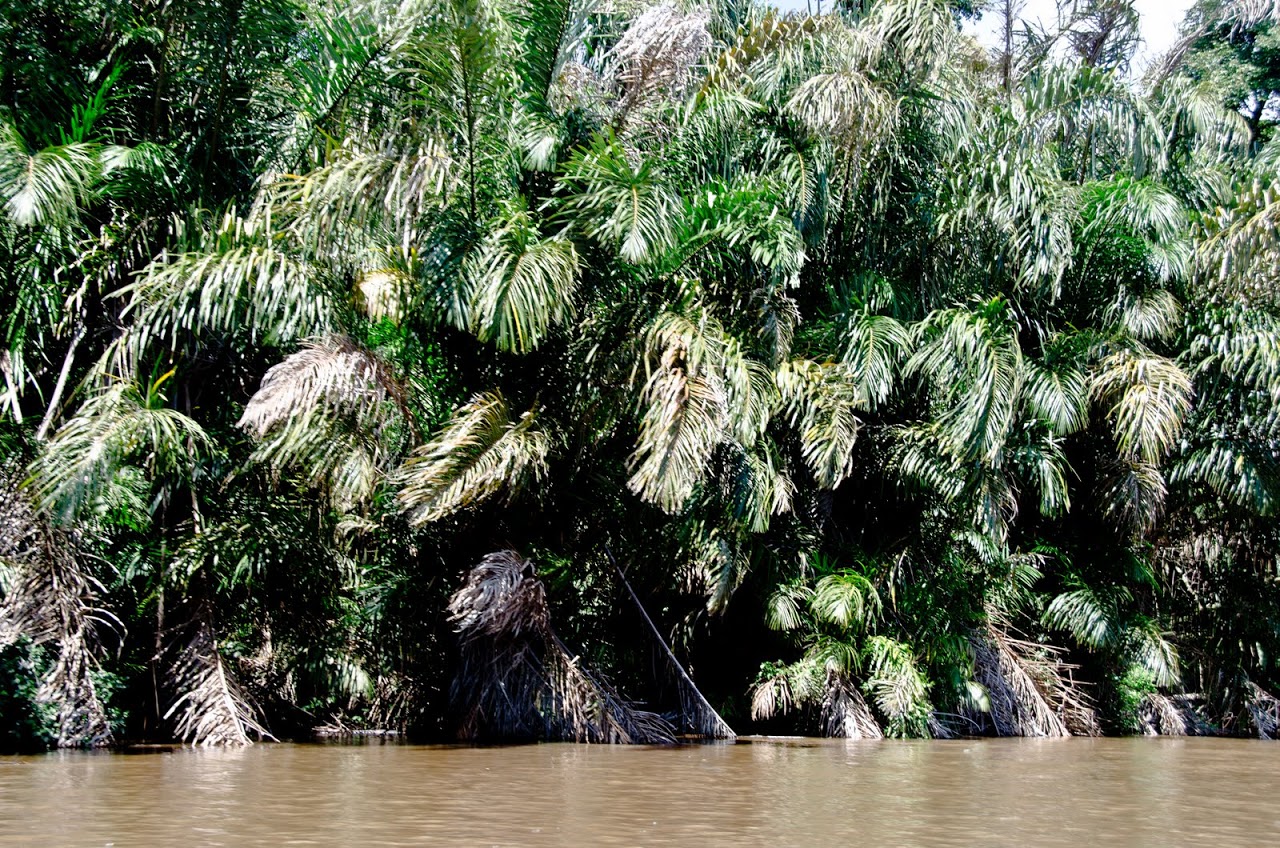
[{"x": 917, "y": 391}]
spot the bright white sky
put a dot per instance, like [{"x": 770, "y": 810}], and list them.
[{"x": 1160, "y": 20}]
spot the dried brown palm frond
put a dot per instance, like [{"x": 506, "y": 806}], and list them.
[
  {"x": 331, "y": 371},
  {"x": 657, "y": 54},
  {"x": 211, "y": 707},
  {"x": 1264, "y": 710},
  {"x": 517, "y": 680},
  {"x": 333, "y": 411},
  {"x": 1019, "y": 701},
  {"x": 845, "y": 713},
  {"x": 50, "y": 599},
  {"x": 1170, "y": 715}
]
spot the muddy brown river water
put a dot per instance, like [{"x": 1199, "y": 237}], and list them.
[{"x": 1072, "y": 792}]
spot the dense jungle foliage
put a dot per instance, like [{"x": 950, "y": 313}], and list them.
[{"x": 914, "y": 390}]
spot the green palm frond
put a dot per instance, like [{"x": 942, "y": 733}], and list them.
[
  {"x": 1043, "y": 462},
  {"x": 1093, "y": 617},
  {"x": 1059, "y": 396},
  {"x": 1236, "y": 471},
  {"x": 119, "y": 425},
  {"x": 49, "y": 186},
  {"x": 520, "y": 285},
  {"x": 345, "y": 72},
  {"x": 748, "y": 216},
  {"x": 1151, "y": 649},
  {"x": 922, "y": 460},
  {"x": 241, "y": 283},
  {"x": 1148, "y": 316},
  {"x": 551, "y": 33},
  {"x": 1147, "y": 398},
  {"x": 760, "y": 488},
  {"x": 822, "y": 402},
  {"x": 973, "y": 364},
  {"x": 1147, "y": 210},
  {"x": 479, "y": 452},
  {"x": 684, "y": 414},
  {"x": 874, "y": 349},
  {"x": 846, "y": 599},
  {"x": 392, "y": 185},
  {"x": 1133, "y": 495},
  {"x": 783, "y": 609},
  {"x": 897, "y": 687},
  {"x": 621, "y": 204}
]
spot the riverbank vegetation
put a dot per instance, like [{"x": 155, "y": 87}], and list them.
[{"x": 917, "y": 391}]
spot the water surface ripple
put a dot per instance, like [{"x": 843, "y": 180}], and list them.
[{"x": 1071, "y": 792}]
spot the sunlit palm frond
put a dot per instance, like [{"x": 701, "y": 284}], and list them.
[
  {"x": 846, "y": 105},
  {"x": 620, "y": 203},
  {"x": 243, "y": 283},
  {"x": 393, "y": 186},
  {"x": 119, "y": 425},
  {"x": 1148, "y": 316},
  {"x": 783, "y": 608},
  {"x": 973, "y": 364},
  {"x": 1093, "y": 617},
  {"x": 332, "y": 372},
  {"x": 874, "y": 349},
  {"x": 1240, "y": 246},
  {"x": 1150, "y": 647},
  {"x": 45, "y": 187},
  {"x": 519, "y": 284},
  {"x": 760, "y": 488},
  {"x": 684, "y": 410},
  {"x": 822, "y": 402},
  {"x": 897, "y": 686},
  {"x": 846, "y": 599},
  {"x": 334, "y": 412},
  {"x": 479, "y": 452},
  {"x": 918, "y": 35},
  {"x": 1059, "y": 396},
  {"x": 1239, "y": 472},
  {"x": 1147, "y": 398}
]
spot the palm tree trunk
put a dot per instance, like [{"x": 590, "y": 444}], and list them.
[{"x": 55, "y": 402}]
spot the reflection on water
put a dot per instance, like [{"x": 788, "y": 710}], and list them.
[{"x": 1071, "y": 792}]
